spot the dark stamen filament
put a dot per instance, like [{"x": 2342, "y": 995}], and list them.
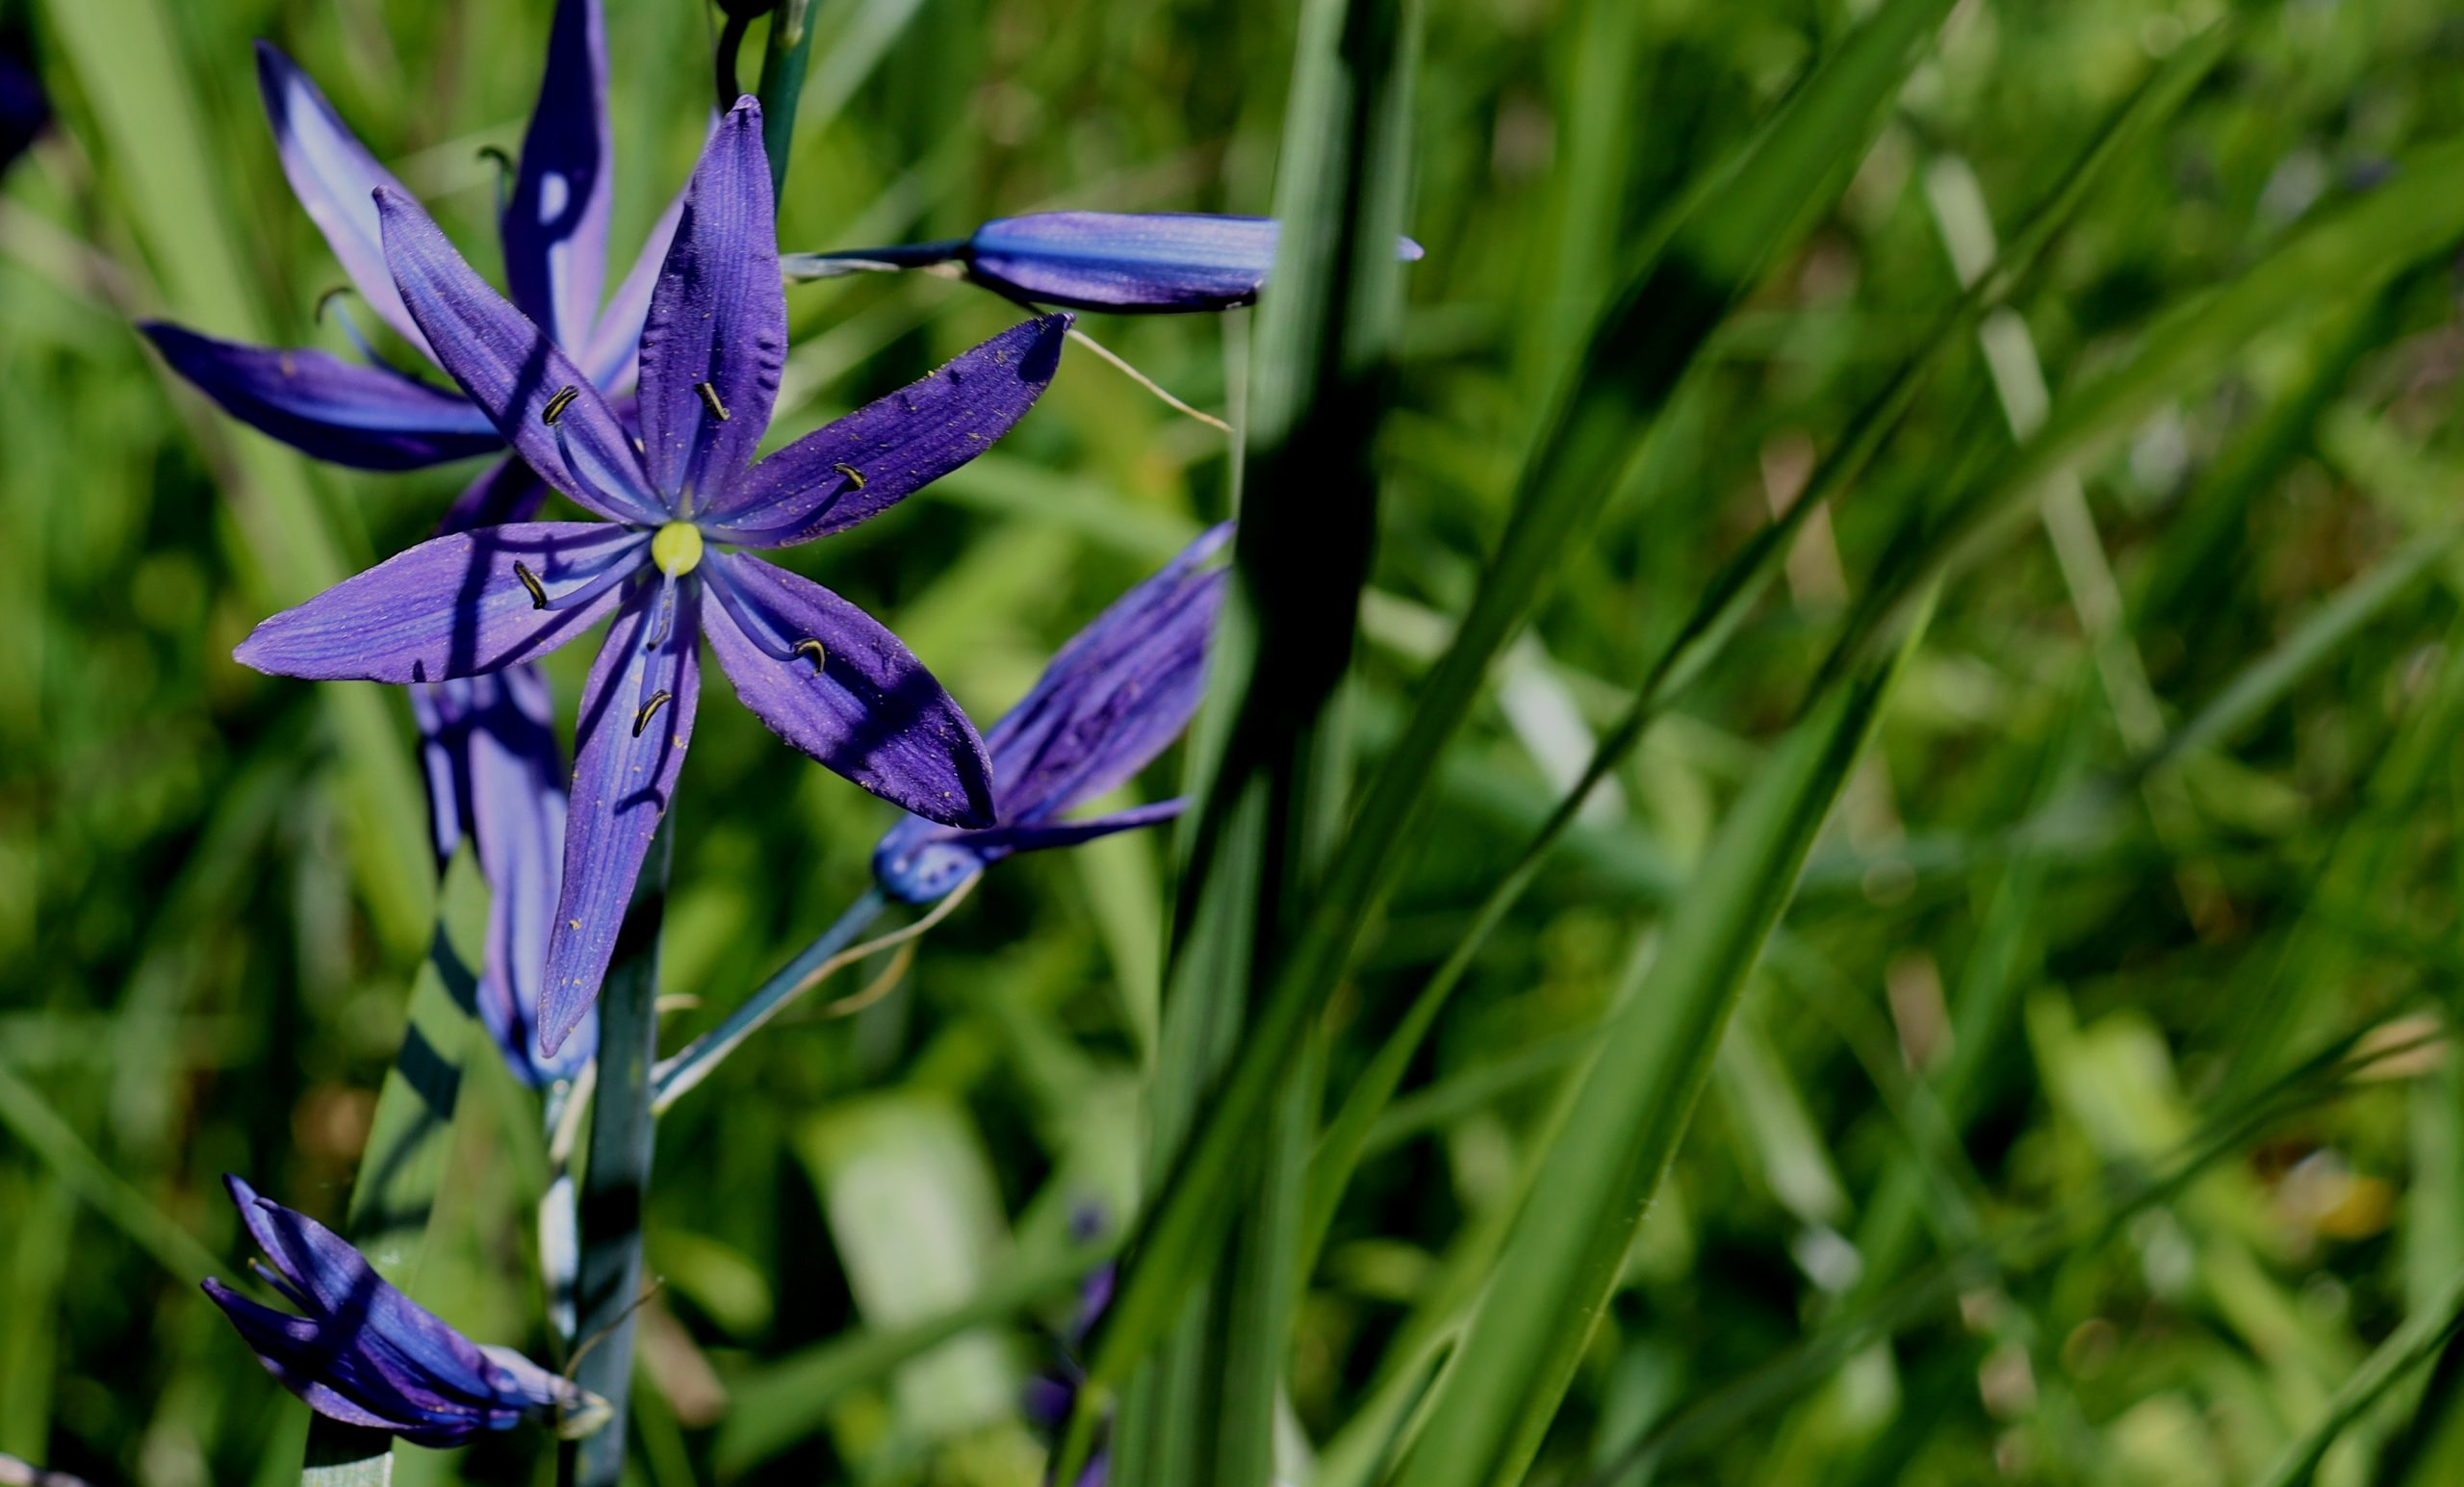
[{"x": 650, "y": 709}]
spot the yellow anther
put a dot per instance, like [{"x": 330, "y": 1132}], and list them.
[
  {"x": 855, "y": 476},
  {"x": 710, "y": 400},
  {"x": 530, "y": 581},
  {"x": 810, "y": 649},
  {"x": 677, "y": 549},
  {"x": 557, "y": 405}
]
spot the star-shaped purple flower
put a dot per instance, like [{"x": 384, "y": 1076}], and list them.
[
  {"x": 821, "y": 673},
  {"x": 493, "y": 766},
  {"x": 1112, "y": 699},
  {"x": 368, "y": 1355}
]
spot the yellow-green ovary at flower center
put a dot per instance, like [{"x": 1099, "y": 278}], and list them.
[{"x": 677, "y": 549}]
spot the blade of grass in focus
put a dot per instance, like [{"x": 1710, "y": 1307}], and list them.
[
  {"x": 1277, "y": 753},
  {"x": 1632, "y": 364},
  {"x": 1723, "y": 603},
  {"x": 1485, "y": 1420}
]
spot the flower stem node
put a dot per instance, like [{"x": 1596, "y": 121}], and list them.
[{"x": 677, "y": 549}]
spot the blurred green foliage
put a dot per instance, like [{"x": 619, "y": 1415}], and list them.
[{"x": 2151, "y": 821}]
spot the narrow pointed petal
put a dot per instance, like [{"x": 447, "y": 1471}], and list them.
[
  {"x": 513, "y": 371},
  {"x": 717, "y": 331},
  {"x": 861, "y": 465},
  {"x": 868, "y": 709},
  {"x": 452, "y": 606},
  {"x": 367, "y": 1354},
  {"x": 631, "y": 745},
  {"x": 1130, "y": 262},
  {"x": 518, "y": 817},
  {"x": 612, "y": 354},
  {"x": 555, "y": 222},
  {"x": 327, "y": 407},
  {"x": 1116, "y": 695},
  {"x": 332, "y": 174}
]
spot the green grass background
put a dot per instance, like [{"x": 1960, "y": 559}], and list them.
[{"x": 2024, "y": 1157}]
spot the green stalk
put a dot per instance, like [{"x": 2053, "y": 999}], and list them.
[
  {"x": 674, "y": 1077},
  {"x": 615, "y": 1186},
  {"x": 1631, "y": 366},
  {"x": 782, "y": 82}
]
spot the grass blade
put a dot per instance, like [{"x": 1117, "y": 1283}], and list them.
[
  {"x": 1563, "y": 1254},
  {"x": 1632, "y": 364},
  {"x": 1280, "y": 767}
]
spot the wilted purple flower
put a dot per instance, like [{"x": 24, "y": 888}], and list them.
[
  {"x": 494, "y": 770},
  {"x": 555, "y": 229},
  {"x": 1154, "y": 263},
  {"x": 366, "y": 1354},
  {"x": 821, "y": 673},
  {"x": 1112, "y": 699}
]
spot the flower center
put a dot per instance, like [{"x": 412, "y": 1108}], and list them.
[{"x": 677, "y": 549}]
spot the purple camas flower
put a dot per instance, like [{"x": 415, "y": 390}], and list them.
[
  {"x": 366, "y": 1354},
  {"x": 1154, "y": 263},
  {"x": 491, "y": 761},
  {"x": 1114, "y": 697},
  {"x": 821, "y": 673}
]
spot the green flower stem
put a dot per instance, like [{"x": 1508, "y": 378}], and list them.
[
  {"x": 690, "y": 1067},
  {"x": 615, "y": 1185},
  {"x": 782, "y": 82}
]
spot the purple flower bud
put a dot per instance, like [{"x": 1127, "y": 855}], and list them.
[
  {"x": 1111, "y": 700},
  {"x": 1135, "y": 263},
  {"x": 366, "y": 1354}
]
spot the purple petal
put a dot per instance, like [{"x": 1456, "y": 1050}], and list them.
[
  {"x": 325, "y": 1275},
  {"x": 1132, "y": 262},
  {"x": 452, "y": 606},
  {"x": 632, "y": 744},
  {"x": 332, "y": 174},
  {"x": 556, "y": 222},
  {"x": 518, "y": 817},
  {"x": 717, "y": 331},
  {"x": 615, "y": 341},
  {"x": 327, "y": 407},
  {"x": 1116, "y": 696},
  {"x": 296, "y": 1351},
  {"x": 513, "y": 371},
  {"x": 506, "y": 491},
  {"x": 869, "y": 710},
  {"x": 886, "y": 450}
]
